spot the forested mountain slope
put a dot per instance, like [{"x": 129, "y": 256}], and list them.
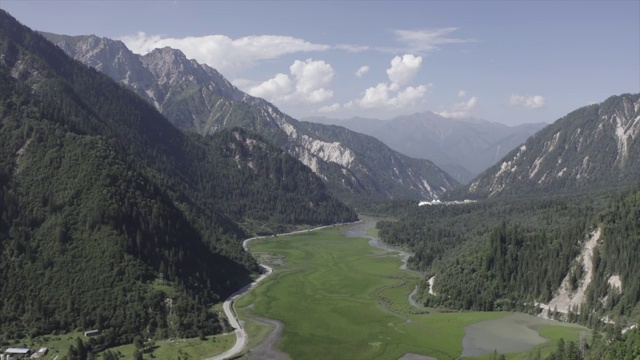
[
  {"x": 462, "y": 147},
  {"x": 112, "y": 218},
  {"x": 195, "y": 97},
  {"x": 515, "y": 254},
  {"x": 555, "y": 232},
  {"x": 593, "y": 148}
]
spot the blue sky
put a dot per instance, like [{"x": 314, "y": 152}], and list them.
[{"x": 506, "y": 61}]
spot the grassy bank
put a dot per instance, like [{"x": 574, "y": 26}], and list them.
[{"x": 193, "y": 348}]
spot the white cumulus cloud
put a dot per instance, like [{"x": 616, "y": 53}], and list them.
[
  {"x": 223, "y": 53},
  {"x": 312, "y": 79},
  {"x": 362, "y": 70},
  {"x": 329, "y": 108},
  {"x": 403, "y": 69},
  {"x": 376, "y": 96},
  {"x": 273, "y": 89},
  {"x": 408, "y": 96},
  {"x": 308, "y": 84},
  {"x": 526, "y": 101},
  {"x": 394, "y": 94},
  {"x": 462, "y": 109}
]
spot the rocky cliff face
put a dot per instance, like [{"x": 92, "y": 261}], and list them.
[
  {"x": 110, "y": 57},
  {"x": 197, "y": 98},
  {"x": 594, "y": 147}
]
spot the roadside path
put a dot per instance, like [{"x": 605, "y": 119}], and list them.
[
  {"x": 229, "y": 310},
  {"x": 228, "y": 306}
]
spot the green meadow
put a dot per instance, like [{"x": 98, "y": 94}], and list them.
[
  {"x": 193, "y": 348},
  {"x": 340, "y": 298}
]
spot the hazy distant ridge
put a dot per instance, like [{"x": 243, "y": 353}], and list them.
[{"x": 462, "y": 147}]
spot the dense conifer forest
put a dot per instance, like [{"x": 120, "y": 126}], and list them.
[
  {"x": 113, "y": 219},
  {"x": 509, "y": 254},
  {"x": 503, "y": 255}
]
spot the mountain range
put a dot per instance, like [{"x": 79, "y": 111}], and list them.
[
  {"x": 107, "y": 206},
  {"x": 595, "y": 147},
  {"x": 127, "y": 183},
  {"x": 462, "y": 147},
  {"x": 197, "y": 98}
]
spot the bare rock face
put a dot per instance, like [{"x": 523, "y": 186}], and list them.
[
  {"x": 108, "y": 56},
  {"x": 197, "y": 98}
]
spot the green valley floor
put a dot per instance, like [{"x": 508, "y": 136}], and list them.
[{"x": 340, "y": 298}]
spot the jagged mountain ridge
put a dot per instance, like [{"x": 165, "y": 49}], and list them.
[
  {"x": 103, "y": 199},
  {"x": 594, "y": 147},
  {"x": 195, "y": 97},
  {"x": 462, "y": 147}
]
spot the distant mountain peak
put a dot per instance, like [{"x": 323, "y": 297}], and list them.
[{"x": 170, "y": 59}]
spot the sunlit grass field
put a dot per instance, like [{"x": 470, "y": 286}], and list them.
[
  {"x": 192, "y": 348},
  {"x": 339, "y": 298}
]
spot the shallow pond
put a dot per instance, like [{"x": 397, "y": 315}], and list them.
[{"x": 513, "y": 333}]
